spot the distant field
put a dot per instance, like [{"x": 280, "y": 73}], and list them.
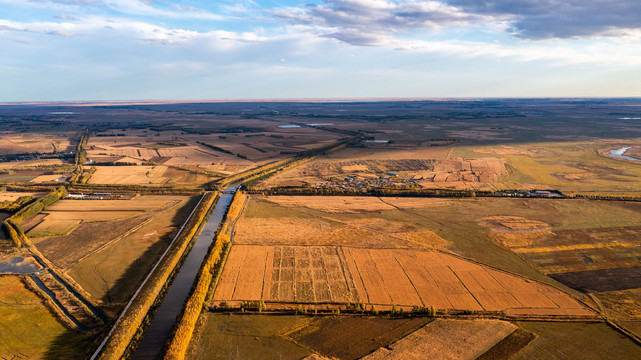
[
  {"x": 595, "y": 341},
  {"x": 429, "y": 167},
  {"x": 11, "y": 143},
  {"x": 229, "y": 153},
  {"x": 29, "y": 331},
  {"x": 318, "y": 275},
  {"x": 568, "y": 166},
  {"x": 145, "y": 175},
  {"x": 12, "y": 196}
]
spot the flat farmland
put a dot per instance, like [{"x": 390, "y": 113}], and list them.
[
  {"x": 28, "y": 330},
  {"x": 426, "y": 167},
  {"x": 113, "y": 272},
  {"x": 315, "y": 274},
  {"x": 447, "y": 339},
  {"x": 14, "y": 195},
  {"x": 251, "y": 144},
  {"x": 580, "y": 166},
  {"x": 249, "y": 337},
  {"x": 593, "y": 341},
  {"x": 146, "y": 175},
  {"x": 103, "y": 242},
  {"x": 554, "y": 236},
  {"x": 13, "y": 143},
  {"x": 326, "y": 335}
]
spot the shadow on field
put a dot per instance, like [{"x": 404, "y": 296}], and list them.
[
  {"x": 135, "y": 273},
  {"x": 70, "y": 345}
]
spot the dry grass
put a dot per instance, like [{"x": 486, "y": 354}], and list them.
[
  {"x": 11, "y": 143},
  {"x": 28, "y": 330}
]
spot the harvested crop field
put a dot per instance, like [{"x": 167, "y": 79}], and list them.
[
  {"x": 28, "y": 330},
  {"x": 447, "y": 339},
  {"x": 326, "y": 274},
  {"x": 356, "y": 204},
  {"x": 13, "y": 143},
  {"x": 510, "y": 345},
  {"x": 589, "y": 341},
  {"x": 602, "y": 280},
  {"x": 14, "y": 195},
  {"x": 145, "y": 175},
  {"x": 326, "y": 335}
]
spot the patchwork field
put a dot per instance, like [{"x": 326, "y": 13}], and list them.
[
  {"x": 428, "y": 167},
  {"x": 28, "y": 330},
  {"x": 146, "y": 175},
  {"x": 226, "y": 151},
  {"x": 294, "y": 337},
  {"x": 318, "y": 275},
  {"x": 108, "y": 245}
]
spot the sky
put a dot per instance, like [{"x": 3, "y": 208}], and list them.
[{"x": 83, "y": 50}]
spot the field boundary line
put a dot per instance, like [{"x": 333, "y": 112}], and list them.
[
  {"x": 144, "y": 282},
  {"x": 581, "y": 301},
  {"x": 410, "y": 280},
  {"x": 360, "y": 276},
  {"x": 465, "y": 286},
  {"x": 129, "y": 232}
]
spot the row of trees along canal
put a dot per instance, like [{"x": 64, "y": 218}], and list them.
[{"x": 129, "y": 328}]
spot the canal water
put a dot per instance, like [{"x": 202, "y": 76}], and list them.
[{"x": 153, "y": 340}]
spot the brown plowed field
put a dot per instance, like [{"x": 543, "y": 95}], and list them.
[{"x": 403, "y": 277}]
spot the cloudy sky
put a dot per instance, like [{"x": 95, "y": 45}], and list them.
[{"x": 189, "y": 49}]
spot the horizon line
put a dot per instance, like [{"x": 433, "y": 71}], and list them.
[{"x": 295, "y": 100}]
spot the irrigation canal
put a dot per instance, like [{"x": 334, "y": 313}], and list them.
[{"x": 154, "y": 338}]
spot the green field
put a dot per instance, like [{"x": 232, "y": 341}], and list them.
[
  {"x": 28, "y": 330},
  {"x": 247, "y": 337},
  {"x": 595, "y": 341}
]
